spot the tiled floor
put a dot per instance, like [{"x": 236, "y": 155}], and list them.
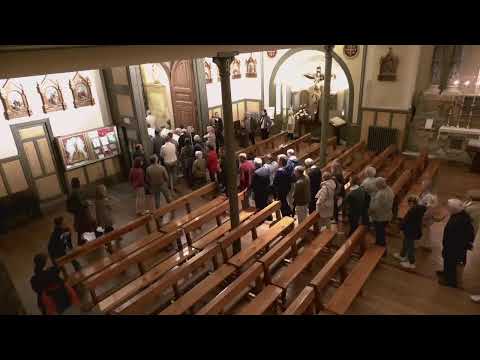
[{"x": 389, "y": 290}]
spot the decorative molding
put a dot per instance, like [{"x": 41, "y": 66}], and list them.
[
  {"x": 51, "y": 94},
  {"x": 81, "y": 91},
  {"x": 14, "y": 100}
]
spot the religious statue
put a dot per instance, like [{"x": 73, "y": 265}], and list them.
[
  {"x": 317, "y": 78},
  {"x": 388, "y": 67},
  {"x": 290, "y": 124},
  {"x": 251, "y": 67}
]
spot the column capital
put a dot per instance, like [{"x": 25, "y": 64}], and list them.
[
  {"x": 329, "y": 49},
  {"x": 223, "y": 62}
]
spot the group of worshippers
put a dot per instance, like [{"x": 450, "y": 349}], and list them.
[
  {"x": 250, "y": 124},
  {"x": 304, "y": 189}
]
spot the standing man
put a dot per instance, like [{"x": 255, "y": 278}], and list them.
[
  {"x": 301, "y": 193},
  {"x": 169, "y": 156},
  {"x": 381, "y": 210},
  {"x": 157, "y": 179},
  {"x": 265, "y": 125},
  {"x": 158, "y": 142},
  {"x": 282, "y": 183},
  {"x": 260, "y": 184},
  {"x": 458, "y": 237},
  {"x": 251, "y": 128},
  {"x": 218, "y": 125},
  {"x": 315, "y": 176},
  {"x": 246, "y": 171}
]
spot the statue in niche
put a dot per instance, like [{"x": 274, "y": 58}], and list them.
[
  {"x": 251, "y": 67},
  {"x": 388, "y": 67},
  {"x": 208, "y": 72},
  {"x": 235, "y": 69}
]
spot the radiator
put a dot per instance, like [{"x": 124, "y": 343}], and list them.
[{"x": 379, "y": 138}]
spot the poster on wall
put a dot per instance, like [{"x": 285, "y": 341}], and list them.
[
  {"x": 87, "y": 147},
  {"x": 75, "y": 151},
  {"x": 104, "y": 142}
]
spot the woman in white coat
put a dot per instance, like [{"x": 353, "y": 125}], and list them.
[{"x": 325, "y": 199}]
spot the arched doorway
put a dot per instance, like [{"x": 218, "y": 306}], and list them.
[{"x": 287, "y": 81}]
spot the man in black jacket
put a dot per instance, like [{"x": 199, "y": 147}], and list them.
[
  {"x": 356, "y": 204},
  {"x": 315, "y": 175},
  {"x": 282, "y": 183},
  {"x": 458, "y": 237}
]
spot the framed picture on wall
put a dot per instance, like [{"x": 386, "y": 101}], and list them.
[
  {"x": 52, "y": 96},
  {"x": 235, "y": 69},
  {"x": 208, "y": 72},
  {"x": 81, "y": 91},
  {"x": 104, "y": 142},
  {"x": 14, "y": 100},
  {"x": 75, "y": 150},
  {"x": 251, "y": 67}
]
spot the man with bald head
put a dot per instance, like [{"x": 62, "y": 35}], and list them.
[
  {"x": 381, "y": 210},
  {"x": 458, "y": 237}
]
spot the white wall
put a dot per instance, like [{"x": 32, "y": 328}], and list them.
[
  {"x": 62, "y": 122},
  {"x": 391, "y": 94},
  {"x": 243, "y": 88}
]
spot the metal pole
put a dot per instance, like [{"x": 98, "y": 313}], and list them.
[
  {"x": 223, "y": 61},
  {"x": 325, "y": 104}
]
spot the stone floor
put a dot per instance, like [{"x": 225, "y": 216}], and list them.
[{"x": 390, "y": 290}]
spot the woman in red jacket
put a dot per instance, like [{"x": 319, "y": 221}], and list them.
[
  {"x": 212, "y": 162},
  {"x": 137, "y": 180}
]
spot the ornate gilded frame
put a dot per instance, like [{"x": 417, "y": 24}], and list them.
[
  {"x": 14, "y": 109},
  {"x": 81, "y": 98},
  {"x": 48, "y": 105},
  {"x": 235, "y": 69},
  {"x": 251, "y": 61}
]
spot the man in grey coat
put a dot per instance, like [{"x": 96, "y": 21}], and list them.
[
  {"x": 157, "y": 180},
  {"x": 381, "y": 210}
]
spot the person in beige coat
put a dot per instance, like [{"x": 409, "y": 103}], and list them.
[
  {"x": 325, "y": 198},
  {"x": 103, "y": 209}
]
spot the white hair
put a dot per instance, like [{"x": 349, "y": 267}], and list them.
[
  {"x": 370, "y": 171},
  {"x": 309, "y": 162},
  {"x": 198, "y": 154},
  {"x": 197, "y": 138},
  {"x": 455, "y": 205},
  {"x": 258, "y": 162},
  {"x": 429, "y": 200},
  {"x": 242, "y": 156},
  {"x": 299, "y": 168},
  {"x": 290, "y": 152},
  {"x": 380, "y": 183}
]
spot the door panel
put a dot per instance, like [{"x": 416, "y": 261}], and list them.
[
  {"x": 183, "y": 94},
  {"x": 36, "y": 148}
]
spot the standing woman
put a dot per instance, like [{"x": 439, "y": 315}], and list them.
[
  {"x": 212, "y": 163},
  {"x": 199, "y": 170},
  {"x": 187, "y": 157},
  {"x": 137, "y": 180},
  {"x": 325, "y": 198},
  {"x": 79, "y": 207},
  {"x": 337, "y": 172}
]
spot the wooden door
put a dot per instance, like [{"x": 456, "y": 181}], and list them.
[
  {"x": 183, "y": 94},
  {"x": 34, "y": 143}
]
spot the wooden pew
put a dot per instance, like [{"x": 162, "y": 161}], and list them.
[
  {"x": 262, "y": 146},
  {"x": 152, "y": 294},
  {"x": 346, "y": 156},
  {"x": 210, "y": 283},
  {"x": 352, "y": 285},
  {"x": 100, "y": 242},
  {"x": 295, "y": 144},
  {"x": 337, "y": 263},
  {"x": 390, "y": 172},
  {"x": 303, "y": 303},
  {"x": 263, "y": 301},
  {"x": 210, "y": 188},
  {"x": 136, "y": 258}
]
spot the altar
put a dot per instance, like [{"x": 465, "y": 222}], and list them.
[{"x": 456, "y": 142}]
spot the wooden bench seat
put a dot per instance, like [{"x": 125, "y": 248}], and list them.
[
  {"x": 337, "y": 262},
  {"x": 351, "y": 287},
  {"x": 238, "y": 287},
  {"x": 205, "y": 217},
  {"x": 87, "y": 271},
  {"x": 280, "y": 228},
  {"x": 288, "y": 245},
  {"x": 302, "y": 303},
  {"x": 199, "y": 291},
  {"x": 139, "y": 304},
  {"x": 106, "y": 239},
  {"x": 262, "y": 302},
  {"x": 294, "y": 144},
  {"x": 219, "y": 231},
  {"x": 390, "y": 172},
  {"x": 286, "y": 277},
  {"x": 123, "y": 294},
  {"x": 134, "y": 258},
  {"x": 176, "y": 223}
]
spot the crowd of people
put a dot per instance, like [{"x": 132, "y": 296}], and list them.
[{"x": 301, "y": 190}]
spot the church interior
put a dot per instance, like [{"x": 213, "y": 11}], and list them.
[{"x": 211, "y": 244}]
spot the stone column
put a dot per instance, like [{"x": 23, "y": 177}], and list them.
[
  {"x": 223, "y": 61},
  {"x": 325, "y": 104}
]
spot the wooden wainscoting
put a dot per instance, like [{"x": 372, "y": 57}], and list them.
[
  {"x": 239, "y": 109},
  {"x": 389, "y": 118}
]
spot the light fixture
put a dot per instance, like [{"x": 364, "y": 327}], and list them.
[
  {"x": 466, "y": 83},
  {"x": 456, "y": 82}
]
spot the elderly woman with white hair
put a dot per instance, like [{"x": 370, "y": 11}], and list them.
[
  {"x": 369, "y": 183},
  {"x": 325, "y": 198},
  {"x": 380, "y": 210},
  {"x": 199, "y": 170},
  {"x": 458, "y": 237},
  {"x": 198, "y": 144},
  {"x": 210, "y": 137}
]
